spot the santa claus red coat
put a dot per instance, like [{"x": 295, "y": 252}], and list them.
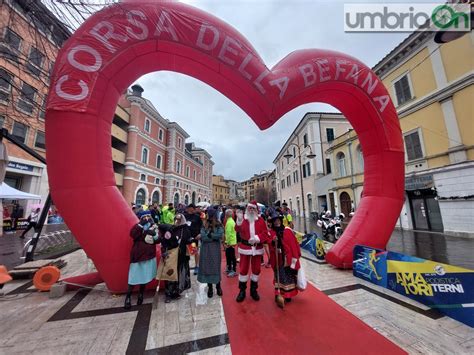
[{"x": 252, "y": 235}]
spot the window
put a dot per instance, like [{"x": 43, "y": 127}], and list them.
[
  {"x": 35, "y": 61},
  {"x": 308, "y": 168},
  {"x": 194, "y": 174},
  {"x": 413, "y": 146},
  {"x": 294, "y": 152},
  {"x": 20, "y": 131},
  {"x": 42, "y": 110},
  {"x": 295, "y": 176},
  {"x": 157, "y": 181},
  {"x": 330, "y": 134},
  {"x": 288, "y": 181},
  {"x": 158, "y": 161},
  {"x": 27, "y": 98},
  {"x": 402, "y": 90},
  {"x": 144, "y": 155},
  {"x": 155, "y": 198},
  {"x": 160, "y": 134},
  {"x": 142, "y": 177},
  {"x": 140, "y": 198},
  {"x": 328, "y": 166},
  {"x": 305, "y": 140},
  {"x": 147, "y": 125},
  {"x": 179, "y": 142},
  {"x": 341, "y": 163},
  {"x": 360, "y": 158},
  {"x": 13, "y": 44},
  {"x": 2, "y": 121},
  {"x": 5, "y": 85},
  {"x": 187, "y": 171},
  {"x": 39, "y": 140},
  {"x": 178, "y": 167}
]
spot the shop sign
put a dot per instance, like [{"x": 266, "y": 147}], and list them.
[
  {"x": 19, "y": 166},
  {"x": 419, "y": 182}
]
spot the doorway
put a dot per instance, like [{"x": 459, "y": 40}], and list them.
[
  {"x": 425, "y": 211},
  {"x": 346, "y": 205}
]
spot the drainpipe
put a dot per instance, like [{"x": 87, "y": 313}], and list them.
[{"x": 352, "y": 174}]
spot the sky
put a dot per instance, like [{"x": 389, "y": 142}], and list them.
[{"x": 275, "y": 28}]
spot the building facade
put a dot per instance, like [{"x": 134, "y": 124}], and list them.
[
  {"x": 221, "y": 190},
  {"x": 432, "y": 88},
  {"x": 236, "y": 193},
  {"x": 30, "y": 39},
  {"x": 260, "y": 187},
  {"x": 313, "y": 134},
  {"x": 152, "y": 161}
]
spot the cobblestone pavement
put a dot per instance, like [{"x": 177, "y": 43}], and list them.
[
  {"x": 94, "y": 322},
  {"x": 439, "y": 247}
]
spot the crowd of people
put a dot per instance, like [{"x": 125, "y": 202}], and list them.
[{"x": 245, "y": 235}]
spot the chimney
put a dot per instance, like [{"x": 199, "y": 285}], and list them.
[{"x": 137, "y": 90}]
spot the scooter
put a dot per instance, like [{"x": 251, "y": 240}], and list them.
[{"x": 331, "y": 227}]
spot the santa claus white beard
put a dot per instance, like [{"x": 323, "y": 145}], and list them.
[{"x": 251, "y": 216}]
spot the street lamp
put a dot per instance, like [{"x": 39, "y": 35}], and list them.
[{"x": 311, "y": 155}]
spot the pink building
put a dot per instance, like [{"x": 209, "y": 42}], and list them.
[{"x": 152, "y": 161}]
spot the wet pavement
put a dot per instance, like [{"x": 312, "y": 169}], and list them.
[
  {"x": 55, "y": 240},
  {"x": 439, "y": 247}
]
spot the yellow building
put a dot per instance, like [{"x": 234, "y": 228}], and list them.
[
  {"x": 260, "y": 187},
  {"x": 431, "y": 86},
  {"x": 220, "y": 190}
]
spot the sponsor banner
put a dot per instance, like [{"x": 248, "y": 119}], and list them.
[
  {"x": 370, "y": 264},
  {"x": 450, "y": 289},
  {"x": 21, "y": 223},
  {"x": 316, "y": 246}
]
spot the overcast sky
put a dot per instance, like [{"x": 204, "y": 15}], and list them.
[{"x": 275, "y": 28}]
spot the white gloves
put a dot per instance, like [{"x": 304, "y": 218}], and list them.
[
  {"x": 149, "y": 239},
  {"x": 254, "y": 240}
]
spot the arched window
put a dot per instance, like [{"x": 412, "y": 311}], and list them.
[
  {"x": 176, "y": 199},
  {"x": 193, "y": 197},
  {"x": 341, "y": 164},
  {"x": 140, "y": 198},
  {"x": 199, "y": 199},
  {"x": 158, "y": 161},
  {"x": 155, "y": 198},
  {"x": 310, "y": 203},
  {"x": 145, "y": 155},
  {"x": 360, "y": 158},
  {"x": 186, "y": 200},
  {"x": 345, "y": 203}
]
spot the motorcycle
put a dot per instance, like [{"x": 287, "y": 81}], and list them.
[{"x": 331, "y": 227}]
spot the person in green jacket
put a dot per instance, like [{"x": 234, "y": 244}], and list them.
[
  {"x": 230, "y": 243},
  {"x": 168, "y": 214}
]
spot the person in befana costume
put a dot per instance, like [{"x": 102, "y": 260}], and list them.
[
  {"x": 289, "y": 254},
  {"x": 253, "y": 233},
  {"x": 142, "y": 257}
]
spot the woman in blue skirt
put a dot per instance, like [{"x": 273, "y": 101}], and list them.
[{"x": 142, "y": 257}]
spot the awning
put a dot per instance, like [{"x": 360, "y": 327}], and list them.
[{"x": 9, "y": 193}]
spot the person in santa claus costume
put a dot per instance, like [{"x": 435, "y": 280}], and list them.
[{"x": 253, "y": 233}]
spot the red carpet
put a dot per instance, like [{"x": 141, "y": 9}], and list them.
[{"x": 311, "y": 324}]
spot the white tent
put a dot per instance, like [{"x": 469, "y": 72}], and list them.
[{"x": 9, "y": 193}]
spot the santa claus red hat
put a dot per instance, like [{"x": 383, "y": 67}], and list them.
[{"x": 252, "y": 204}]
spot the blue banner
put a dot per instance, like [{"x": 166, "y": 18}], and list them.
[{"x": 450, "y": 289}]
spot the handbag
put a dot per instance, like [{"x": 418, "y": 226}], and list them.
[
  {"x": 168, "y": 266},
  {"x": 301, "y": 282}
]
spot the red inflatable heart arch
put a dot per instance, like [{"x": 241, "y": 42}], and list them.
[{"x": 124, "y": 41}]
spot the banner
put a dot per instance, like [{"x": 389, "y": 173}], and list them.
[
  {"x": 450, "y": 289},
  {"x": 316, "y": 246}
]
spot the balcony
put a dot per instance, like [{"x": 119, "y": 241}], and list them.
[
  {"x": 118, "y": 156},
  {"x": 119, "y": 133},
  {"x": 118, "y": 179},
  {"x": 123, "y": 114}
]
